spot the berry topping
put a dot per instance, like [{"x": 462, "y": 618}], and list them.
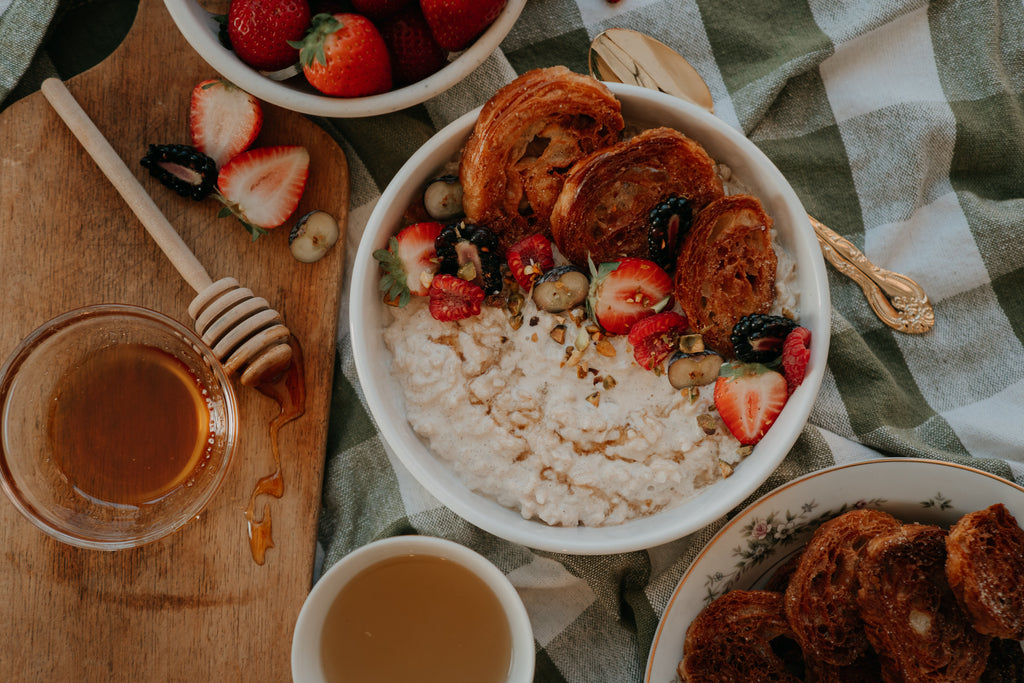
[
  {"x": 182, "y": 168},
  {"x": 313, "y": 236},
  {"x": 472, "y": 253},
  {"x": 655, "y": 337},
  {"x": 223, "y": 120},
  {"x": 528, "y": 259},
  {"x": 668, "y": 223},
  {"x": 409, "y": 262},
  {"x": 749, "y": 398},
  {"x": 758, "y": 338},
  {"x": 262, "y": 187},
  {"x": 623, "y": 292},
  {"x": 260, "y": 31},
  {"x": 560, "y": 289},
  {"x": 443, "y": 198},
  {"x": 452, "y": 298},
  {"x": 796, "y": 352}
]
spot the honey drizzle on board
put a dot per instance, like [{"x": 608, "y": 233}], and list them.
[{"x": 289, "y": 392}]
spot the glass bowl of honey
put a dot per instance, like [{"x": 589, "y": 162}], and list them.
[{"x": 117, "y": 426}]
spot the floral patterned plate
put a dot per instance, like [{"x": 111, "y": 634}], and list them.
[{"x": 748, "y": 549}]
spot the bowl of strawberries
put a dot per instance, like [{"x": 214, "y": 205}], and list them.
[
  {"x": 364, "y": 58},
  {"x": 526, "y": 316}
]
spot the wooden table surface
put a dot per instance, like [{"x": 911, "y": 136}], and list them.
[{"x": 193, "y": 606}]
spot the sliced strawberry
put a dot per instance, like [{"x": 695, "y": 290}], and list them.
[
  {"x": 623, "y": 292},
  {"x": 262, "y": 187},
  {"x": 529, "y": 258},
  {"x": 655, "y": 337},
  {"x": 796, "y": 352},
  {"x": 452, "y": 298},
  {"x": 749, "y": 397},
  {"x": 409, "y": 262},
  {"x": 223, "y": 120}
]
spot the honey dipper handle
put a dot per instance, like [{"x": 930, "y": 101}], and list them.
[{"x": 156, "y": 224}]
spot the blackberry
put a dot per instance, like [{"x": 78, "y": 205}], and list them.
[
  {"x": 473, "y": 253},
  {"x": 182, "y": 168},
  {"x": 758, "y": 338},
  {"x": 667, "y": 223}
]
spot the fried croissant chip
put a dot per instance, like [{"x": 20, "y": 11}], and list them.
[
  {"x": 527, "y": 137},
  {"x": 726, "y": 268},
  {"x": 602, "y": 210}
]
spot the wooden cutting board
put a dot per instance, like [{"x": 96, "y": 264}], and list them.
[{"x": 194, "y": 606}]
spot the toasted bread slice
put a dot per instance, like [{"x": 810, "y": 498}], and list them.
[
  {"x": 726, "y": 268},
  {"x": 525, "y": 140},
  {"x": 821, "y": 598},
  {"x": 1005, "y": 662},
  {"x": 865, "y": 668},
  {"x": 602, "y": 210},
  {"x": 910, "y": 615},
  {"x": 985, "y": 569},
  {"x": 731, "y": 640}
]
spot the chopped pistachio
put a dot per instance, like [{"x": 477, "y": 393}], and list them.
[
  {"x": 595, "y": 398},
  {"x": 558, "y": 333},
  {"x": 708, "y": 423},
  {"x": 515, "y": 304},
  {"x": 725, "y": 468},
  {"x": 582, "y": 340},
  {"x": 691, "y": 343},
  {"x": 516, "y": 321},
  {"x": 605, "y": 348},
  {"x": 608, "y": 382},
  {"x": 744, "y": 451}
]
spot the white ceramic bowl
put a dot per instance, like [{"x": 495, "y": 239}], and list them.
[
  {"x": 200, "y": 30},
  {"x": 386, "y": 402},
  {"x": 306, "y": 662},
  {"x": 745, "y": 552}
]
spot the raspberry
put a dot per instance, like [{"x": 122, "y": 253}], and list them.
[
  {"x": 796, "y": 352},
  {"x": 655, "y": 337}
]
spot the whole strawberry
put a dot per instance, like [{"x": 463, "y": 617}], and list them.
[
  {"x": 414, "y": 52},
  {"x": 344, "y": 55},
  {"x": 260, "y": 31},
  {"x": 457, "y": 23}
]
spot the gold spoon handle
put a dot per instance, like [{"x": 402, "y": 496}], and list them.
[{"x": 897, "y": 300}]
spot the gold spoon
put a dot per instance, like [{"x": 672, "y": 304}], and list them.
[{"x": 620, "y": 55}]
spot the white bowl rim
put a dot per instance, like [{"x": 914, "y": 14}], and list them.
[
  {"x": 306, "y": 637},
  {"x": 893, "y": 464},
  {"x": 194, "y": 23},
  {"x": 637, "y": 534}
]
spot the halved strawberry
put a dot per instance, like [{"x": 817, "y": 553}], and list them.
[
  {"x": 655, "y": 337},
  {"x": 749, "y": 397},
  {"x": 529, "y": 258},
  {"x": 623, "y": 292},
  {"x": 452, "y": 298},
  {"x": 262, "y": 187},
  {"x": 223, "y": 120},
  {"x": 409, "y": 262},
  {"x": 796, "y": 352}
]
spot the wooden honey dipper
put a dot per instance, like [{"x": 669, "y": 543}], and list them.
[{"x": 246, "y": 335}]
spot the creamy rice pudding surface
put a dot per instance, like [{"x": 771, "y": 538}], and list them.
[{"x": 509, "y": 411}]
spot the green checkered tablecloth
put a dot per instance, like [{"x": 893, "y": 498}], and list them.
[{"x": 899, "y": 123}]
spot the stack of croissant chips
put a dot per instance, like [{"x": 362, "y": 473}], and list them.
[
  {"x": 548, "y": 155},
  {"x": 873, "y": 599}
]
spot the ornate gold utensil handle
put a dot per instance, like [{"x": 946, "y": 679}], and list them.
[{"x": 898, "y": 301}]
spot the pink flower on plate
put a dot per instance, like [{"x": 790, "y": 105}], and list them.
[{"x": 761, "y": 530}]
